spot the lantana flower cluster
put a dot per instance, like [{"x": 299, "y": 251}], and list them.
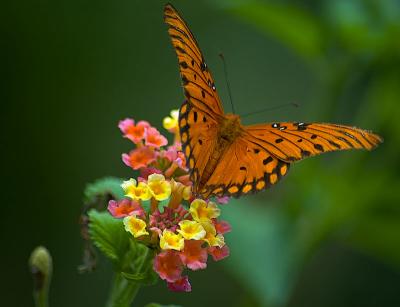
[{"x": 158, "y": 209}]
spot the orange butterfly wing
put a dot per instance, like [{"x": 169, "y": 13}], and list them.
[
  {"x": 245, "y": 167},
  {"x": 198, "y": 84},
  {"x": 295, "y": 141},
  {"x": 200, "y": 113},
  {"x": 199, "y": 135},
  {"x": 261, "y": 154}
]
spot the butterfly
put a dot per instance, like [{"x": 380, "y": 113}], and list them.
[{"x": 226, "y": 158}]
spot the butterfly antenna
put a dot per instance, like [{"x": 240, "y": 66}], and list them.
[
  {"x": 227, "y": 82},
  {"x": 272, "y": 108}
]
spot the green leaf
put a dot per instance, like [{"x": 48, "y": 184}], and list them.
[
  {"x": 104, "y": 186},
  {"x": 147, "y": 278},
  {"x": 132, "y": 259},
  {"x": 109, "y": 235},
  {"x": 141, "y": 268},
  {"x": 290, "y": 24}
]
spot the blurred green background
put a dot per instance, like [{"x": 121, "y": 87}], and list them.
[{"x": 327, "y": 235}]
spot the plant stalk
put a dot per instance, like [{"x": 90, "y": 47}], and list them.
[{"x": 123, "y": 291}]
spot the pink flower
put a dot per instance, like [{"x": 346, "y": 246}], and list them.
[
  {"x": 168, "y": 265},
  {"x": 173, "y": 154},
  {"x": 193, "y": 255},
  {"x": 222, "y": 226},
  {"x": 181, "y": 285},
  {"x": 154, "y": 138},
  {"x": 218, "y": 253},
  {"x": 132, "y": 132},
  {"x": 125, "y": 207},
  {"x": 139, "y": 157}
]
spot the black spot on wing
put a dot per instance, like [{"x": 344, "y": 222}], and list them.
[{"x": 267, "y": 160}]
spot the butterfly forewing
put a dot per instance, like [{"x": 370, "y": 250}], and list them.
[
  {"x": 198, "y": 133},
  {"x": 199, "y": 86},
  {"x": 295, "y": 141}
]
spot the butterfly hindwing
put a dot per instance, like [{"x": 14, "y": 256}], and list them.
[
  {"x": 295, "y": 141},
  {"x": 198, "y": 84},
  {"x": 244, "y": 168}
]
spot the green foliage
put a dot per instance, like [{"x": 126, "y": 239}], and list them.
[
  {"x": 102, "y": 187},
  {"x": 109, "y": 235},
  {"x": 354, "y": 50},
  {"x": 284, "y": 22},
  {"x": 264, "y": 253},
  {"x": 131, "y": 259},
  {"x": 133, "y": 262},
  {"x": 159, "y": 305}
]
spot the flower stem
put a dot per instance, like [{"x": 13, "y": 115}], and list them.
[
  {"x": 41, "y": 298},
  {"x": 123, "y": 291}
]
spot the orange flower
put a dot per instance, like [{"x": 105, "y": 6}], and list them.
[
  {"x": 133, "y": 132},
  {"x": 193, "y": 255},
  {"x": 124, "y": 208},
  {"x": 154, "y": 138},
  {"x": 139, "y": 157},
  {"x": 168, "y": 265}
]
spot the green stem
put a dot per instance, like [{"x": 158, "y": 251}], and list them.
[
  {"x": 41, "y": 266},
  {"x": 123, "y": 291},
  {"x": 41, "y": 297}
]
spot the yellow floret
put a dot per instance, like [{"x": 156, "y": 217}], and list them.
[
  {"x": 191, "y": 230},
  {"x": 136, "y": 191},
  {"x": 159, "y": 187},
  {"x": 135, "y": 226},
  {"x": 170, "y": 240},
  {"x": 201, "y": 211},
  {"x": 211, "y": 236},
  {"x": 171, "y": 122}
]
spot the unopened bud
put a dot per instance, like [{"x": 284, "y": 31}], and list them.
[{"x": 41, "y": 267}]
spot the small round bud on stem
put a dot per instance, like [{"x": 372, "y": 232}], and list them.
[{"x": 41, "y": 266}]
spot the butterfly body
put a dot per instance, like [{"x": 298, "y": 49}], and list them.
[
  {"x": 230, "y": 128},
  {"x": 227, "y": 158}
]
